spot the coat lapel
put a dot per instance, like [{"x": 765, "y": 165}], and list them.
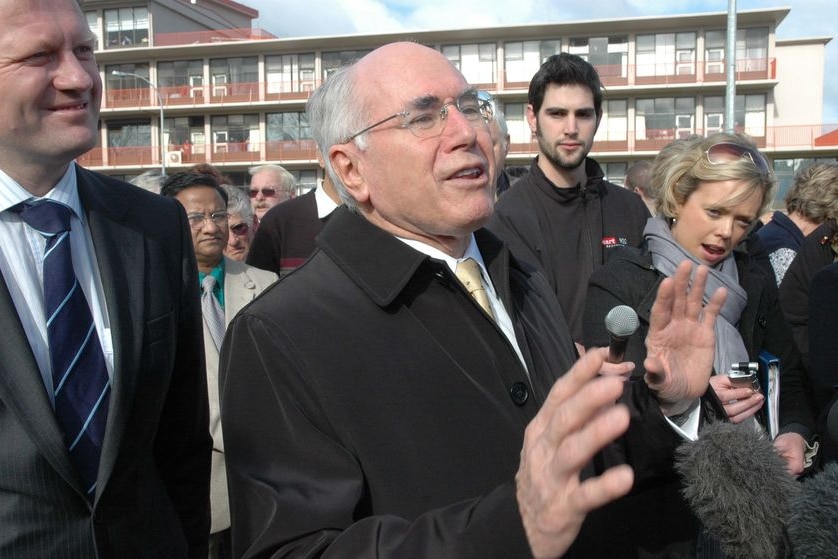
[
  {"x": 119, "y": 254},
  {"x": 239, "y": 288},
  {"x": 23, "y": 391}
]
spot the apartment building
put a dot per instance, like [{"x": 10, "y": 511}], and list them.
[{"x": 234, "y": 96}]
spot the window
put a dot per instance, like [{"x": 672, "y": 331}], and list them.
[
  {"x": 186, "y": 134},
  {"x": 232, "y": 76},
  {"x": 607, "y": 54},
  {"x": 748, "y": 114},
  {"x": 126, "y": 27},
  {"x": 475, "y": 61},
  {"x": 516, "y": 123},
  {"x": 331, "y": 61},
  {"x": 523, "y": 59},
  {"x": 614, "y": 124},
  {"x": 129, "y": 133},
  {"x": 751, "y": 50},
  {"x": 235, "y": 132},
  {"x": 289, "y": 126},
  {"x": 664, "y": 118},
  {"x": 290, "y": 73},
  {"x": 182, "y": 78},
  {"x": 666, "y": 54}
]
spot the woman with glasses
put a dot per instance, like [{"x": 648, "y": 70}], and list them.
[
  {"x": 241, "y": 223},
  {"x": 710, "y": 191}
]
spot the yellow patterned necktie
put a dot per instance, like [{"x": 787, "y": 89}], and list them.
[{"x": 468, "y": 272}]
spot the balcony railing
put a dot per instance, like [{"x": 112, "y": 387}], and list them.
[
  {"x": 814, "y": 138},
  {"x": 667, "y": 73},
  {"x": 611, "y": 75},
  {"x": 303, "y": 151}
]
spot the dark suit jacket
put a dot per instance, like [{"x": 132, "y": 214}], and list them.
[
  {"x": 153, "y": 485},
  {"x": 372, "y": 409},
  {"x": 823, "y": 350}
]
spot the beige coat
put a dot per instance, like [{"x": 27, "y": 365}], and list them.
[{"x": 242, "y": 283}]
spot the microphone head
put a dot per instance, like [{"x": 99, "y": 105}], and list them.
[
  {"x": 737, "y": 485},
  {"x": 813, "y": 524},
  {"x": 621, "y": 321}
]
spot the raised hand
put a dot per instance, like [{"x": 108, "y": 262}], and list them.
[
  {"x": 680, "y": 344},
  {"x": 578, "y": 418}
]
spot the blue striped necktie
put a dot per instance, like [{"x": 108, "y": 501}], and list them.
[{"x": 79, "y": 375}]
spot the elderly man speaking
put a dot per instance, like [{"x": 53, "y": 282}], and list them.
[{"x": 411, "y": 391}]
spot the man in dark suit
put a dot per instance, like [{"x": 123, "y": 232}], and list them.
[
  {"x": 397, "y": 395},
  {"x": 125, "y": 473}
]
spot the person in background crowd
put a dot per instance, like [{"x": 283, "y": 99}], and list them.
[
  {"x": 104, "y": 448},
  {"x": 149, "y": 180},
  {"x": 564, "y": 216},
  {"x": 241, "y": 223},
  {"x": 818, "y": 249},
  {"x": 637, "y": 180},
  {"x": 286, "y": 234},
  {"x": 270, "y": 185},
  {"x": 227, "y": 286},
  {"x": 500, "y": 141},
  {"x": 811, "y": 200},
  {"x": 397, "y": 394}
]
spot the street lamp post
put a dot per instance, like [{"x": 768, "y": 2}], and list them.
[{"x": 160, "y": 104}]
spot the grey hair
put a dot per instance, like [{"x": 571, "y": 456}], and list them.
[
  {"x": 334, "y": 115},
  {"x": 500, "y": 119},
  {"x": 814, "y": 192},
  {"x": 238, "y": 202},
  {"x": 286, "y": 178}
]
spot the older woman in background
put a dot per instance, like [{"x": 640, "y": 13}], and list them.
[
  {"x": 241, "y": 222},
  {"x": 710, "y": 191}
]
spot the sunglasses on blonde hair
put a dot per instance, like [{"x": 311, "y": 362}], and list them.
[{"x": 725, "y": 152}]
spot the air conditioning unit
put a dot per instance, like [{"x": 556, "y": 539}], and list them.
[{"x": 174, "y": 157}]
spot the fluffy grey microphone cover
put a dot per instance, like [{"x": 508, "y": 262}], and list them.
[
  {"x": 738, "y": 487},
  {"x": 813, "y": 526}
]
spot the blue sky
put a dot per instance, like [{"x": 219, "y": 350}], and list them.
[{"x": 292, "y": 18}]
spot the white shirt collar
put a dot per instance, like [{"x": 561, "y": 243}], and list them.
[
  {"x": 325, "y": 205},
  {"x": 471, "y": 252},
  {"x": 65, "y": 191}
]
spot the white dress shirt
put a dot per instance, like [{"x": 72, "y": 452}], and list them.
[
  {"x": 21, "y": 263},
  {"x": 502, "y": 318}
]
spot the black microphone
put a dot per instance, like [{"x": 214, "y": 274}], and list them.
[
  {"x": 813, "y": 524},
  {"x": 621, "y": 322},
  {"x": 737, "y": 485}
]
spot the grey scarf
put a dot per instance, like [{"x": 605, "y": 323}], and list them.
[{"x": 667, "y": 254}]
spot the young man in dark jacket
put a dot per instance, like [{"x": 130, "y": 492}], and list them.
[{"x": 563, "y": 215}]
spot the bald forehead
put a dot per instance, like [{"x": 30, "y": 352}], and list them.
[{"x": 406, "y": 69}]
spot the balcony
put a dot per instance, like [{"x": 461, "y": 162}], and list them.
[
  {"x": 671, "y": 73},
  {"x": 779, "y": 139},
  {"x": 184, "y": 95}
]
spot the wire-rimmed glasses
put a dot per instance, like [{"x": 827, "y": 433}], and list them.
[{"x": 426, "y": 118}]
